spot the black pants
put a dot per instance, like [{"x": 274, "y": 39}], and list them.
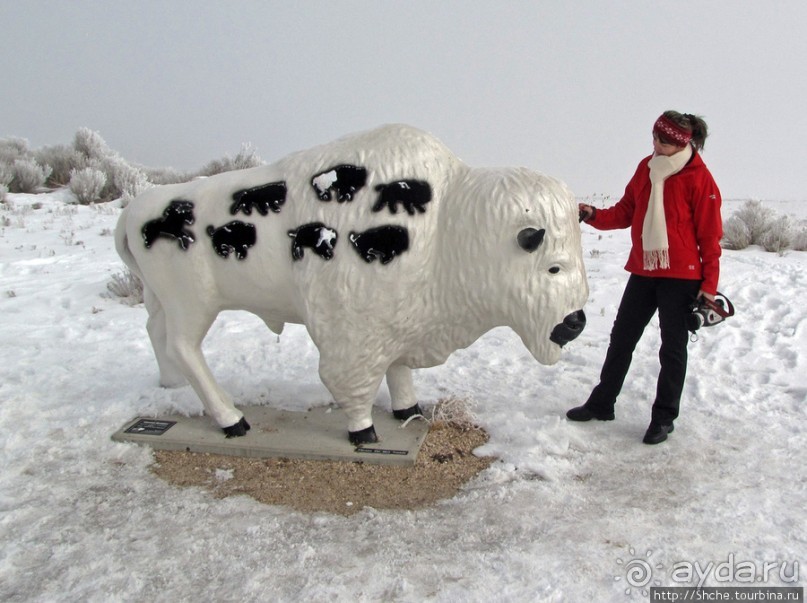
[{"x": 642, "y": 297}]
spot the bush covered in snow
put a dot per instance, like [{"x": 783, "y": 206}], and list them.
[
  {"x": 778, "y": 236},
  {"x": 800, "y": 238},
  {"x": 165, "y": 175},
  {"x": 13, "y": 148},
  {"x": 90, "y": 144},
  {"x": 246, "y": 158},
  {"x": 63, "y": 160},
  {"x": 129, "y": 181},
  {"x": 87, "y": 184},
  {"x": 29, "y": 176},
  {"x": 19, "y": 170},
  {"x": 6, "y": 175},
  {"x": 23, "y": 170},
  {"x": 755, "y": 224},
  {"x": 736, "y": 234}
]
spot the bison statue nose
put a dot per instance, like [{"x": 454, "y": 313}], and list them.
[{"x": 572, "y": 325}]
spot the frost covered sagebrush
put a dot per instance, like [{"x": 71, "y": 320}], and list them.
[
  {"x": 63, "y": 161},
  {"x": 165, "y": 176},
  {"x": 23, "y": 170},
  {"x": 19, "y": 170},
  {"x": 13, "y": 148},
  {"x": 122, "y": 178},
  {"x": 755, "y": 224},
  {"x": 129, "y": 181},
  {"x": 88, "y": 143},
  {"x": 87, "y": 184},
  {"x": 29, "y": 176},
  {"x": 736, "y": 234},
  {"x": 6, "y": 175},
  {"x": 246, "y": 158},
  {"x": 800, "y": 238},
  {"x": 779, "y": 235}
]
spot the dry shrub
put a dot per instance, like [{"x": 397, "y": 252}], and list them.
[
  {"x": 127, "y": 287},
  {"x": 457, "y": 412}
]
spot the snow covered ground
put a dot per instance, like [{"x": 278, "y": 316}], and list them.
[{"x": 571, "y": 512}]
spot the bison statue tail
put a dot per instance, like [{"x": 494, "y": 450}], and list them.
[{"x": 122, "y": 246}]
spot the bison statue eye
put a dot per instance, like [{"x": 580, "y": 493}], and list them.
[{"x": 530, "y": 239}]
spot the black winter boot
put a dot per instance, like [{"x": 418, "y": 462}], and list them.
[
  {"x": 581, "y": 413},
  {"x": 657, "y": 433}
]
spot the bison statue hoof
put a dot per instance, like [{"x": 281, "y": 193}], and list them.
[
  {"x": 407, "y": 413},
  {"x": 365, "y": 436},
  {"x": 239, "y": 429}
]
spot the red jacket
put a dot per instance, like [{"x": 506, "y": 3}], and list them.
[{"x": 694, "y": 226}]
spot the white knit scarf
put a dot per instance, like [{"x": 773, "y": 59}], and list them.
[{"x": 655, "y": 245}]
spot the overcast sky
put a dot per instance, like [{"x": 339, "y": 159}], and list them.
[{"x": 569, "y": 88}]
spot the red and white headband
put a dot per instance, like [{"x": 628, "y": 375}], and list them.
[{"x": 672, "y": 131}]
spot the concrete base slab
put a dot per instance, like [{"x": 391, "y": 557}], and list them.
[{"x": 320, "y": 434}]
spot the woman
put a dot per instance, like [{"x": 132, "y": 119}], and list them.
[{"x": 672, "y": 206}]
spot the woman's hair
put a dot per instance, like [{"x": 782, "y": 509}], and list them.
[{"x": 693, "y": 123}]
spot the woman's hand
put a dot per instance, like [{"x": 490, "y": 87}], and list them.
[
  {"x": 708, "y": 296},
  {"x": 585, "y": 211}
]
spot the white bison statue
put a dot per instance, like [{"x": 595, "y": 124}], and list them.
[{"x": 389, "y": 249}]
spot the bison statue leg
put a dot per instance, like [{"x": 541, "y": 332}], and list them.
[
  {"x": 353, "y": 381},
  {"x": 170, "y": 373},
  {"x": 402, "y": 392},
  {"x": 354, "y": 390},
  {"x": 183, "y": 328}
]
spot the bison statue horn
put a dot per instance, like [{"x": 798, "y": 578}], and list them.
[{"x": 530, "y": 239}]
